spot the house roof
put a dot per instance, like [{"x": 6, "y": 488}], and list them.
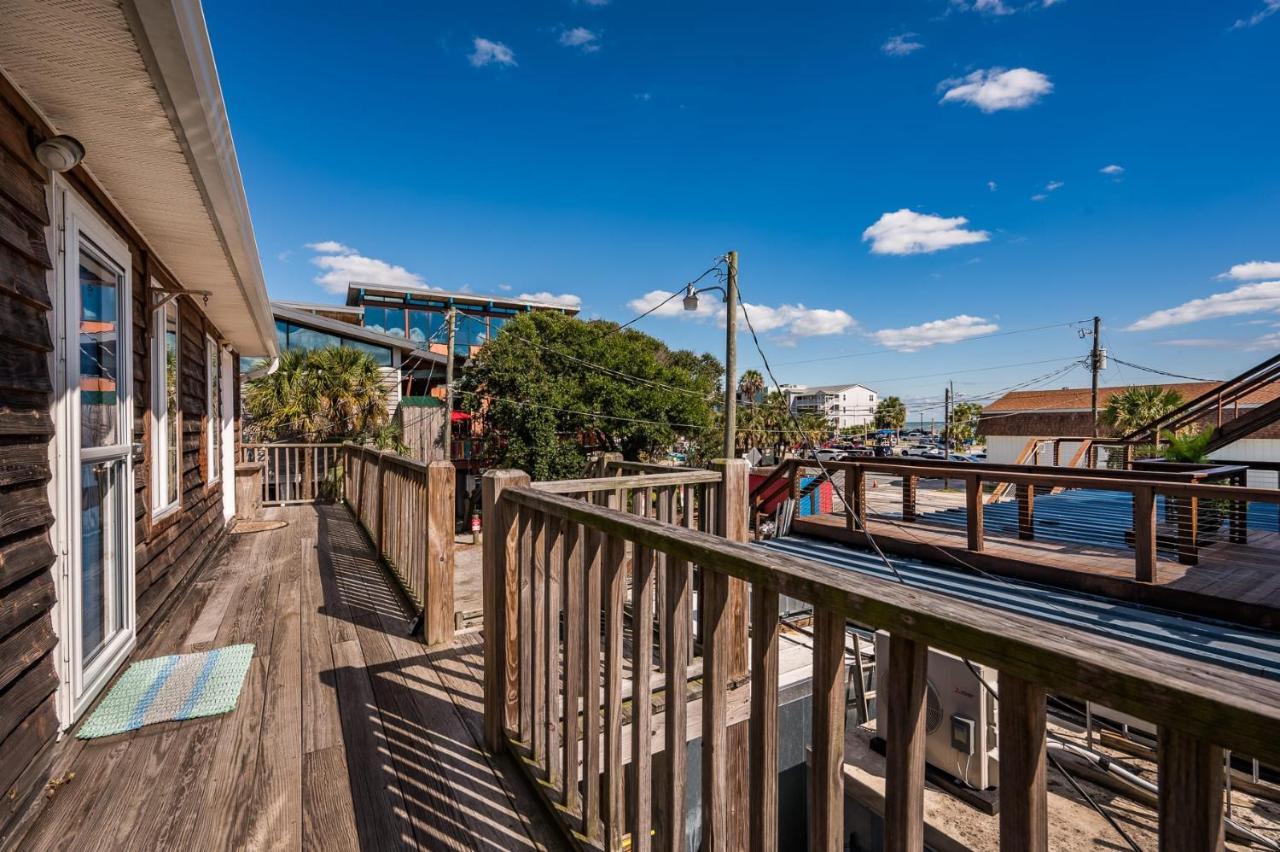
[
  {"x": 801, "y": 391},
  {"x": 355, "y": 332},
  {"x": 355, "y": 288},
  {"x": 1080, "y": 399},
  {"x": 135, "y": 83}
]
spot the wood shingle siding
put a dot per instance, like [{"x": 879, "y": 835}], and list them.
[
  {"x": 28, "y": 679},
  {"x": 170, "y": 550}
]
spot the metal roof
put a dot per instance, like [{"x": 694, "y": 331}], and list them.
[
  {"x": 355, "y": 332},
  {"x": 355, "y": 288}
]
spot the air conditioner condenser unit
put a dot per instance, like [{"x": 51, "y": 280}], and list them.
[{"x": 960, "y": 715}]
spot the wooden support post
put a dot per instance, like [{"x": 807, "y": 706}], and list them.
[
  {"x": 855, "y": 498},
  {"x": 1191, "y": 784},
  {"x": 500, "y": 603},
  {"x": 1144, "y": 535},
  {"x": 437, "y": 592},
  {"x": 910, "y": 491},
  {"x": 765, "y": 628},
  {"x": 973, "y": 511},
  {"x": 1024, "y": 814},
  {"x": 1238, "y": 517},
  {"x": 826, "y": 770},
  {"x": 1188, "y": 509},
  {"x": 1026, "y": 511},
  {"x": 903, "y": 688}
]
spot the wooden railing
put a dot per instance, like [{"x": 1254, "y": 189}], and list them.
[
  {"x": 407, "y": 509},
  {"x": 1183, "y": 489},
  {"x": 295, "y": 473},
  {"x": 550, "y": 694}
]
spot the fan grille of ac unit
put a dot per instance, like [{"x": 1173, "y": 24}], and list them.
[{"x": 933, "y": 708}]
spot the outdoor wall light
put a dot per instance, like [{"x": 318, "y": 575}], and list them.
[{"x": 60, "y": 153}]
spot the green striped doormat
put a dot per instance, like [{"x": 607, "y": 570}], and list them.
[{"x": 179, "y": 686}]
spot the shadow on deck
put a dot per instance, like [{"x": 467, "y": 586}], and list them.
[{"x": 349, "y": 734}]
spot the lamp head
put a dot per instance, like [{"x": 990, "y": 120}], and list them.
[{"x": 690, "y": 299}]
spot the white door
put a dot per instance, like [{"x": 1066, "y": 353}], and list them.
[{"x": 95, "y": 483}]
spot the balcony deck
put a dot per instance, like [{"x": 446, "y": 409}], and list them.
[{"x": 348, "y": 733}]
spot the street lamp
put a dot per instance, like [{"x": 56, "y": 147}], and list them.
[{"x": 730, "y": 292}]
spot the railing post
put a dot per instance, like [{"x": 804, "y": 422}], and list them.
[
  {"x": 500, "y": 601},
  {"x": 973, "y": 511},
  {"x": 437, "y": 588},
  {"x": 1238, "y": 517},
  {"x": 379, "y": 501},
  {"x": 904, "y": 734},
  {"x": 1026, "y": 511},
  {"x": 1191, "y": 783},
  {"x": 1144, "y": 534},
  {"x": 910, "y": 490},
  {"x": 855, "y": 498},
  {"x": 1188, "y": 509},
  {"x": 764, "y": 718},
  {"x": 1024, "y": 823}
]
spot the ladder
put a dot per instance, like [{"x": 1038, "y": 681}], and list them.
[{"x": 856, "y": 693}]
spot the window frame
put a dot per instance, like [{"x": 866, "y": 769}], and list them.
[
  {"x": 213, "y": 403},
  {"x": 159, "y": 376}
]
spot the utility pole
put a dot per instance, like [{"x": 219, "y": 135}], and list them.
[
  {"x": 731, "y": 357},
  {"x": 446, "y": 430},
  {"x": 946, "y": 419},
  {"x": 1095, "y": 364}
]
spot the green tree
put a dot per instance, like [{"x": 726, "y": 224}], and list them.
[
  {"x": 964, "y": 422},
  {"x": 890, "y": 413},
  {"x": 1138, "y": 405},
  {"x": 321, "y": 395},
  {"x": 549, "y": 385}
]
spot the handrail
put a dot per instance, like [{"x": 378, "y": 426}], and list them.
[
  {"x": 543, "y": 540},
  {"x": 294, "y": 472},
  {"x": 406, "y": 508},
  {"x": 693, "y": 476}
]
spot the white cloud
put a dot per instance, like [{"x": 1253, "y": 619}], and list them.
[
  {"x": 567, "y": 300},
  {"x": 341, "y": 264},
  {"x": 593, "y": 2},
  {"x": 908, "y": 232},
  {"x": 1245, "y": 299},
  {"x": 1269, "y": 8},
  {"x": 989, "y": 7},
  {"x": 1269, "y": 341},
  {"x": 330, "y": 247},
  {"x": 953, "y": 330},
  {"x": 992, "y": 185},
  {"x": 1113, "y": 170},
  {"x": 1254, "y": 270},
  {"x": 489, "y": 52},
  {"x": 1048, "y": 3},
  {"x": 643, "y": 97},
  {"x": 506, "y": 288},
  {"x": 793, "y": 320},
  {"x": 1053, "y": 185},
  {"x": 901, "y": 45},
  {"x": 995, "y": 89},
  {"x": 582, "y": 38},
  {"x": 1039, "y": 196}
]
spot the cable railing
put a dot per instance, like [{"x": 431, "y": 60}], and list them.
[{"x": 575, "y": 703}]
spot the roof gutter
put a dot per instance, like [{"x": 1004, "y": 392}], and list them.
[{"x": 174, "y": 43}]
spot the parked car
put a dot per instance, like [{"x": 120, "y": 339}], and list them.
[
  {"x": 926, "y": 452},
  {"x": 823, "y": 454},
  {"x": 962, "y": 457},
  {"x": 861, "y": 453}
]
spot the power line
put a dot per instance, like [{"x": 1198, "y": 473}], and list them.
[
  {"x": 680, "y": 292},
  {"x": 1161, "y": 372}
]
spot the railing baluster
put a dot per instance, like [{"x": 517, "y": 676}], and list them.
[
  {"x": 973, "y": 511},
  {"x": 764, "y": 718},
  {"x": 614, "y": 570},
  {"x": 641, "y": 693},
  {"x": 1191, "y": 784},
  {"x": 1026, "y": 511},
  {"x": 677, "y": 606},
  {"x": 593, "y": 558},
  {"x": 552, "y": 554},
  {"x": 524, "y": 644},
  {"x": 571, "y": 583},
  {"x": 1024, "y": 805},
  {"x": 538, "y": 639},
  {"x": 715, "y": 743},
  {"x": 826, "y": 789},
  {"x": 902, "y": 687}
]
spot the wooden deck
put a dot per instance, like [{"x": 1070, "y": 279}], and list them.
[
  {"x": 348, "y": 733},
  {"x": 1239, "y": 582}
]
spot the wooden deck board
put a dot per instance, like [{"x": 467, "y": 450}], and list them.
[{"x": 348, "y": 734}]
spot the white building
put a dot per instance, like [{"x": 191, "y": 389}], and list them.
[{"x": 844, "y": 405}]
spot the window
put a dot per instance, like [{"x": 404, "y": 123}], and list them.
[
  {"x": 213, "y": 441},
  {"x": 425, "y": 325},
  {"x": 386, "y": 320},
  {"x": 292, "y": 336},
  {"x": 166, "y": 444}
]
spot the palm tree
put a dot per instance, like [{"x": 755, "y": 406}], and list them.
[
  {"x": 891, "y": 413},
  {"x": 1138, "y": 405},
  {"x": 319, "y": 395},
  {"x": 750, "y": 386}
]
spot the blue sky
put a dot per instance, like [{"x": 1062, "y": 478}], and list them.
[{"x": 906, "y": 182}]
